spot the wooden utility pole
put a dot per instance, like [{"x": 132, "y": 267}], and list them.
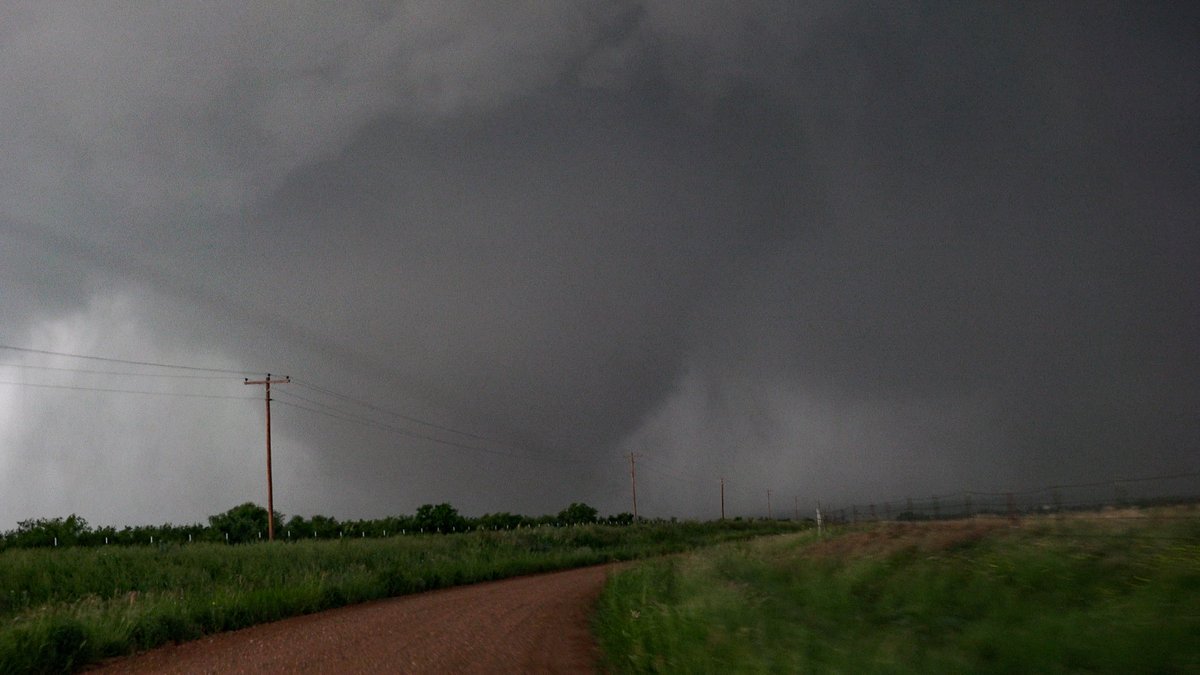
[
  {"x": 722, "y": 498},
  {"x": 633, "y": 476},
  {"x": 797, "y": 499},
  {"x": 769, "y": 517},
  {"x": 270, "y": 487}
]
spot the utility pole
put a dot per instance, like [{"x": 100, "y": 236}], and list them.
[
  {"x": 633, "y": 476},
  {"x": 270, "y": 487},
  {"x": 769, "y": 517},
  {"x": 797, "y": 498},
  {"x": 722, "y": 498}
]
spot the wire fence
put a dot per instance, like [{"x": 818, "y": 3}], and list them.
[{"x": 1179, "y": 488}]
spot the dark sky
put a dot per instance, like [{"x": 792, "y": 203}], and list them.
[{"x": 843, "y": 251}]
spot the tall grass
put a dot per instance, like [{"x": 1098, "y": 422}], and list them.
[
  {"x": 1073, "y": 595},
  {"x": 61, "y": 609}
]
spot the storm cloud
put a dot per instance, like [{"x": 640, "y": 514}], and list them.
[{"x": 845, "y": 251}]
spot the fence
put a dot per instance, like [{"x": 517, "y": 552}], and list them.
[{"x": 1176, "y": 488}]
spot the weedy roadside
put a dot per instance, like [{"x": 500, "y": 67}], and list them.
[{"x": 1104, "y": 592}]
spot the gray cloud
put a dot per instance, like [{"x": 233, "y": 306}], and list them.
[{"x": 841, "y": 250}]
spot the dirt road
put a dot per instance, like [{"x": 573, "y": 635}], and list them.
[{"x": 534, "y": 624}]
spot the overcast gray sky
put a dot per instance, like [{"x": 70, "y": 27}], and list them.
[{"x": 845, "y": 251}]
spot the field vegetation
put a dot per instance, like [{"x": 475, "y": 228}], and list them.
[
  {"x": 66, "y": 606},
  {"x": 1112, "y": 592},
  {"x": 247, "y": 523}
]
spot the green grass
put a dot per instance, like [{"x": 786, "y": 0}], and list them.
[
  {"x": 61, "y": 609},
  {"x": 1080, "y": 594}
]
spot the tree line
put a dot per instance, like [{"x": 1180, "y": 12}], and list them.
[{"x": 247, "y": 523}]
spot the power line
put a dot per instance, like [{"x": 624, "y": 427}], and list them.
[
  {"x": 682, "y": 476},
  {"x": 346, "y": 416},
  {"x": 127, "y": 391},
  {"x": 29, "y": 366},
  {"x": 408, "y": 418},
  {"x": 362, "y": 419},
  {"x": 355, "y": 417},
  {"x": 667, "y": 474},
  {"x": 358, "y": 419},
  {"x": 106, "y": 359},
  {"x": 330, "y": 411}
]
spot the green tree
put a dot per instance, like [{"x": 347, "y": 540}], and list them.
[
  {"x": 298, "y": 528},
  {"x": 577, "y": 514},
  {"x": 620, "y": 519},
  {"x": 325, "y": 527},
  {"x": 440, "y": 518},
  {"x": 47, "y": 531},
  {"x": 501, "y": 521},
  {"x": 243, "y": 523}
]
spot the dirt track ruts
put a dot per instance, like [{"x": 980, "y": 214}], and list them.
[{"x": 532, "y": 624}]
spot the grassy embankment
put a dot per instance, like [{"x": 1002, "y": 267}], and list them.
[
  {"x": 63, "y": 608},
  {"x": 1116, "y": 592}
]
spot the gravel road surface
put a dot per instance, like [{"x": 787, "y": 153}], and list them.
[{"x": 533, "y": 624}]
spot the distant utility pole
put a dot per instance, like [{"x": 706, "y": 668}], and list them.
[
  {"x": 270, "y": 487},
  {"x": 797, "y": 508},
  {"x": 769, "y": 517},
  {"x": 722, "y": 498},
  {"x": 633, "y": 476}
]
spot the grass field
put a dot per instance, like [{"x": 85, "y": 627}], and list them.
[
  {"x": 63, "y": 608},
  {"x": 1116, "y": 592}
]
